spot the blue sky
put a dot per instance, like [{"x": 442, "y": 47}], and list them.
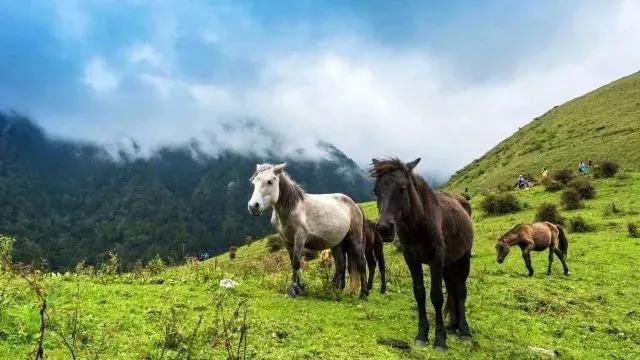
[{"x": 373, "y": 77}]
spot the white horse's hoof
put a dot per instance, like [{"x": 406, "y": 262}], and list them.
[{"x": 420, "y": 343}]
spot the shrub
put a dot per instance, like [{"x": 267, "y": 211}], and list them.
[
  {"x": 563, "y": 176},
  {"x": 274, "y": 243},
  {"x": 633, "y": 230},
  {"x": 571, "y": 199},
  {"x": 553, "y": 186},
  {"x": 606, "y": 169},
  {"x": 549, "y": 212},
  {"x": 584, "y": 188},
  {"x": 500, "y": 203},
  {"x": 232, "y": 252},
  {"x": 156, "y": 265},
  {"x": 579, "y": 224}
]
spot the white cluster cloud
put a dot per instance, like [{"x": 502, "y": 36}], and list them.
[
  {"x": 99, "y": 77},
  {"x": 369, "y": 99}
]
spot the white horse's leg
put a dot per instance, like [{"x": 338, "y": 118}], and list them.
[{"x": 296, "y": 261}]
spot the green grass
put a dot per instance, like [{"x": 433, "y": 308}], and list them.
[
  {"x": 592, "y": 314},
  {"x": 601, "y": 125}
]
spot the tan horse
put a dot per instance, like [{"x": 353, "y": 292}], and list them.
[
  {"x": 537, "y": 237},
  {"x": 311, "y": 221}
]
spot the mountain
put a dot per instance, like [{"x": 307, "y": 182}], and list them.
[
  {"x": 68, "y": 201},
  {"x": 602, "y": 125}
]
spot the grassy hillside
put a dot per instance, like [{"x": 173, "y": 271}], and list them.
[
  {"x": 603, "y": 124},
  {"x": 154, "y": 312}
]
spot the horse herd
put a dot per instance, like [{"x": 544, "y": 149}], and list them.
[{"x": 434, "y": 228}]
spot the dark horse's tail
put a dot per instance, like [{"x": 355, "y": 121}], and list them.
[{"x": 564, "y": 244}]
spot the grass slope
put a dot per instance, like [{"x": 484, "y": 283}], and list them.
[
  {"x": 603, "y": 124},
  {"x": 592, "y": 314}
]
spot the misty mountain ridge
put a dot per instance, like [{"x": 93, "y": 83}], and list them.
[{"x": 67, "y": 201}]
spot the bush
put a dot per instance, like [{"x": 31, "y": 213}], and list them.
[
  {"x": 579, "y": 224},
  {"x": 232, "y": 252},
  {"x": 563, "y": 176},
  {"x": 274, "y": 243},
  {"x": 549, "y": 212},
  {"x": 500, "y": 203},
  {"x": 633, "y": 230},
  {"x": 553, "y": 186},
  {"x": 606, "y": 169},
  {"x": 156, "y": 265},
  {"x": 584, "y": 188},
  {"x": 571, "y": 199}
]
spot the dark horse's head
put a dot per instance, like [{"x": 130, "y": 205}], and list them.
[{"x": 393, "y": 182}]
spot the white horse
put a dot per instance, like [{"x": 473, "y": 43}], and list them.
[{"x": 312, "y": 221}]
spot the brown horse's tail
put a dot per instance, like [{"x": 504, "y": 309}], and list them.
[
  {"x": 354, "y": 275},
  {"x": 564, "y": 244}
]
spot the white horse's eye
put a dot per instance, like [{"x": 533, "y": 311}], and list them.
[{"x": 270, "y": 182}]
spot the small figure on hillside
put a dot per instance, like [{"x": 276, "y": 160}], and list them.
[
  {"x": 583, "y": 168},
  {"x": 521, "y": 182},
  {"x": 545, "y": 173}
]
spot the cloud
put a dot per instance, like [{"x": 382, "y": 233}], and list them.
[
  {"x": 146, "y": 54},
  {"x": 99, "y": 77},
  {"x": 367, "y": 96}
]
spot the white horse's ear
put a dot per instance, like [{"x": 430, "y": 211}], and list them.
[
  {"x": 258, "y": 166},
  {"x": 411, "y": 165},
  {"x": 278, "y": 168}
]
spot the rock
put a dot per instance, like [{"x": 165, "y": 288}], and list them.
[
  {"x": 228, "y": 283},
  {"x": 551, "y": 354},
  {"x": 398, "y": 344}
]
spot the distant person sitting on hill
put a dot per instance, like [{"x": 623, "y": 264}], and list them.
[
  {"x": 583, "y": 168},
  {"x": 522, "y": 182}
]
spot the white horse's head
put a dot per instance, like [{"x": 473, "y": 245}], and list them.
[{"x": 266, "y": 187}]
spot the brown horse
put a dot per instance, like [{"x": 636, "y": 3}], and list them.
[
  {"x": 434, "y": 229},
  {"x": 374, "y": 254},
  {"x": 537, "y": 237}
]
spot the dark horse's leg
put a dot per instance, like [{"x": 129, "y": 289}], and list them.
[
  {"x": 551, "y": 248},
  {"x": 526, "y": 255},
  {"x": 452, "y": 304},
  {"x": 415, "y": 268},
  {"x": 461, "y": 272},
  {"x": 341, "y": 266},
  {"x": 562, "y": 260},
  {"x": 379, "y": 254},
  {"x": 436, "y": 270},
  {"x": 371, "y": 265}
]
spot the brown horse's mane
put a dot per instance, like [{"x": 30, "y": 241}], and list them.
[
  {"x": 290, "y": 192},
  {"x": 516, "y": 229}
]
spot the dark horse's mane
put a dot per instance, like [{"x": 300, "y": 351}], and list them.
[
  {"x": 290, "y": 192},
  {"x": 382, "y": 167}
]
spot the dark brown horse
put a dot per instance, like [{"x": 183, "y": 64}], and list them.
[
  {"x": 537, "y": 237},
  {"x": 374, "y": 254},
  {"x": 434, "y": 229}
]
